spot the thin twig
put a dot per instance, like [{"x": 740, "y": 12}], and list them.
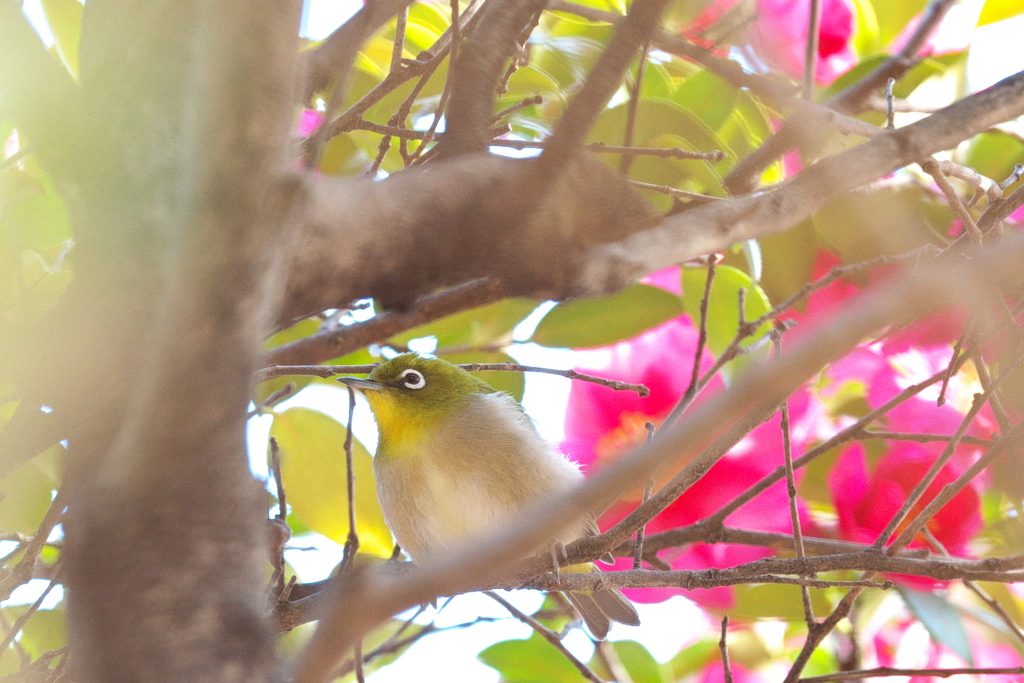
[
  {"x": 634, "y": 104},
  {"x": 992, "y": 603},
  {"x": 940, "y": 462},
  {"x": 23, "y": 618},
  {"x": 957, "y": 350},
  {"x": 352, "y": 540},
  {"x": 272, "y": 400},
  {"x": 357, "y": 659},
  {"x": 528, "y": 102},
  {"x": 811, "y": 50},
  {"x": 889, "y": 671},
  {"x": 702, "y": 340},
  {"x": 638, "y": 550},
  {"x": 327, "y": 371},
  {"x": 547, "y": 634},
  {"x": 724, "y": 649},
  {"x": 673, "y": 192},
  {"x": 890, "y": 112},
  {"x": 602, "y": 148},
  {"x": 794, "y": 513},
  {"x": 931, "y": 167}
]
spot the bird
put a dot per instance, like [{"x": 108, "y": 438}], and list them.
[{"x": 456, "y": 457}]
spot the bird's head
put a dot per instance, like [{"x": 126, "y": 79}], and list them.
[{"x": 409, "y": 394}]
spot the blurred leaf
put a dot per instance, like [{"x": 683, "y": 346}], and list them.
[
  {"x": 893, "y": 16},
  {"x": 512, "y": 383},
  {"x": 480, "y": 326},
  {"x": 640, "y": 664},
  {"x": 998, "y": 10},
  {"x": 869, "y": 223},
  {"x": 313, "y": 466},
  {"x": 1006, "y": 599},
  {"x": 25, "y": 494},
  {"x": 16, "y": 185},
  {"x": 994, "y": 154},
  {"x": 571, "y": 51},
  {"x": 584, "y": 323},
  {"x": 342, "y": 157},
  {"x": 657, "y": 82},
  {"x": 533, "y": 660},
  {"x": 686, "y": 131},
  {"x": 552, "y": 612},
  {"x": 693, "y": 658},
  {"x": 65, "y": 20},
  {"x": 942, "y": 620},
  {"x": 813, "y": 486},
  {"x": 44, "y": 631},
  {"x": 419, "y": 36},
  {"x": 788, "y": 259},
  {"x": 866, "y": 34},
  {"x": 708, "y": 97},
  {"x": 723, "y": 307},
  {"x": 774, "y": 600},
  {"x": 433, "y": 14},
  {"x": 41, "y": 219}
]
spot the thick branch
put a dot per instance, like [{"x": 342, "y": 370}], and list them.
[
  {"x": 477, "y": 70},
  {"x": 455, "y": 222},
  {"x": 718, "y": 225}
]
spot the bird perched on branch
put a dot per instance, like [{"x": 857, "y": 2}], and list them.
[{"x": 456, "y": 458}]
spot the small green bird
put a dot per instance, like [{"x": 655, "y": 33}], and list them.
[{"x": 457, "y": 457}]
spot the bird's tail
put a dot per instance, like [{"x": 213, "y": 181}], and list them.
[{"x": 600, "y": 608}]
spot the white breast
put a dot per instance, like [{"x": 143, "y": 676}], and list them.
[{"x": 480, "y": 470}]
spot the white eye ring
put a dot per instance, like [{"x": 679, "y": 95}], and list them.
[{"x": 413, "y": 379}]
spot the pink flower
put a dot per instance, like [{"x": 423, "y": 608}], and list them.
[
  {"x": 867, "y": 500},
  {"x": 897, "y": 645},
  {"x": 715, "y": 673},
  {"x": 309, "y": 121},
  {"x": 779, "y": 34},
  {"x": 602, "y": 424},
  {"x": 780, "y": 37}
]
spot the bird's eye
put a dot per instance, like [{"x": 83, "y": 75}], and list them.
[{"x": 413, "y": 379}]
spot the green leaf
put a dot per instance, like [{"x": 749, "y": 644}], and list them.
[
  {"x": 512, "y": 383},
  {"x": 709, "y": 98},
  {"x": 723, "y": 307},
  {"x": 65, "y": 20},
  {"x": 44, "y": 631},
  {"x": 942, "y": 620},
  {"x": 480, "y": 326},
  {"x": 533, "y": 660},
  {"x": 41, "y": 219},
  {"x": 893, "y": 16},
  {"x": 25, "y": 494},
  {"x": 693, "y": 658},
  {"x": 994, "y": 154},
  {"x": 869, "y": 223},
  {"x": 788, "y": 259},
  {"x": 775, "y": 600},
  {"x": 654, "y": 117},
  {"x": 315, "y": 480},
  {"x": 343, "y": 157},
  {"x": 584, "y": 323},
  {"x": 640, "y": 664}
]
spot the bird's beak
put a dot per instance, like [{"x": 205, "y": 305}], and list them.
[{"x": 361, "y": 384}]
